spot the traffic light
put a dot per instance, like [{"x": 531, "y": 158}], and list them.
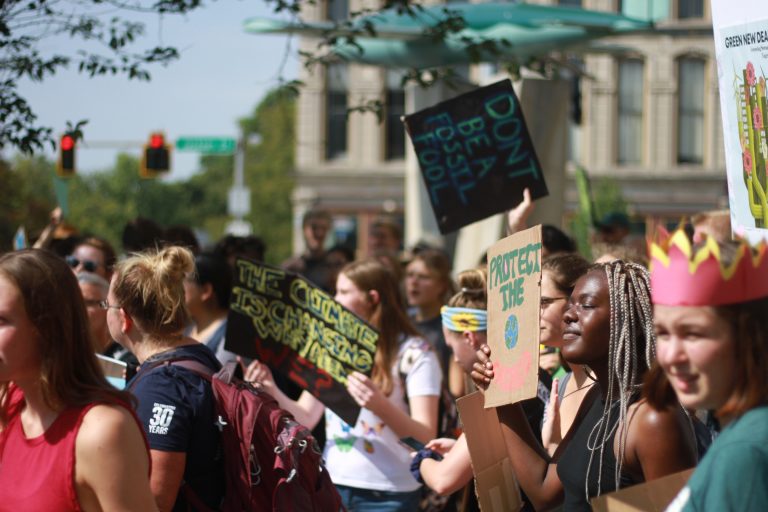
[
  {"x": 156, "y": 157},
  {"x": 65, "y": 167}
]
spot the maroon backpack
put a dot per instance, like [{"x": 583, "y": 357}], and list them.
[{"x": 272, "y": 463}]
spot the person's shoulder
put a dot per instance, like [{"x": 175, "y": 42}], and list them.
[
  {"x": 415, "y": 343},
  {"x": 105, "y": 425},
  {"x": 649, "y": 420}
]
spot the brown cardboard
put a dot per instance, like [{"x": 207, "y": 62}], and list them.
[
  {"x": 495, "y": 483},
  {"x": 514, "y": 293},
  {"x": 651, "y": 496}
]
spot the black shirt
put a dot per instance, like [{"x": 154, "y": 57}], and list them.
[
  {"x": 572, "y": 465},
  {"x": 176, "y": 409}
]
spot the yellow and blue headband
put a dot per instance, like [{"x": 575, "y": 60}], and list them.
[{"x": 464, "y": 319}]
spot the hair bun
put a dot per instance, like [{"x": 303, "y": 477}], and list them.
[{"x": 174, "y": 263}]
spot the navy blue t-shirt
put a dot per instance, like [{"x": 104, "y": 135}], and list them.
[{"x": 176, "y": 409}]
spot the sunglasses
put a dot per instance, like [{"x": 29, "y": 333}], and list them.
[{"x": 88, "y": 265}]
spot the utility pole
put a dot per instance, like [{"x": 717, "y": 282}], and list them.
[{"x": 239, "y": 197}]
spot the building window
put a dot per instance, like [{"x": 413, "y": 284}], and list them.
[
  {"x": 394, "y": 108},
  {"x": 690, "y": 9},
  {"x": 630, "y": 110},
  {"x": 337, "y": 10},
  {"x": 690, "y": 111},
  {"x": 336, "y": 110}
]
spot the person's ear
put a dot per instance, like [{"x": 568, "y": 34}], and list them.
[
  {"x": 126, "y": 321},
  {"x": 206, "y": 291},
  {"x": 470, "y": 338},
  {"x": 374, "y": 297}
]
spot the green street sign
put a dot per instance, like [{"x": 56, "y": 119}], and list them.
[{"x": 207, "y": 145}]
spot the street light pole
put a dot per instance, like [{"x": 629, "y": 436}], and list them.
[{"x": 239, "y": 197}]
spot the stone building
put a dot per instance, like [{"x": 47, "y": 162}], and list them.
[{"x": 650, "y": 119}]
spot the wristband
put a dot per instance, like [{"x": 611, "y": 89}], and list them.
[{"x": 424, "y": 453}]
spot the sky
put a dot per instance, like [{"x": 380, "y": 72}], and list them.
[{"x": 221, "y": 76}]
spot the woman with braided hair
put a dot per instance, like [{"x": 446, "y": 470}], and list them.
[{"x": 616, "y": 439}]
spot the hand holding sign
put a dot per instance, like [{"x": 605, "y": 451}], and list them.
[
  {"x": 260, "y": 376},
  {"x": 362, "y": 389}
]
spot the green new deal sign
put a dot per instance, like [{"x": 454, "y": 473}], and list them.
[{"x": 208, "y": 145}]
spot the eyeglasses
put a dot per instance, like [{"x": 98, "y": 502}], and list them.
[
  {"x": 103, "y": 304},
  {"x": 547, "y": 301},
  {"x": 88, "y": 265}
]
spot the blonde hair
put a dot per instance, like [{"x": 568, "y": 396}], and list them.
[
  {"x": 472, "y": 290},
  {"x": 150, "y": 288}
]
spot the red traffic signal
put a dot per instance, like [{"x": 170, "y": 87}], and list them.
[
  {"x": 156, "y": 157},
  {"x": 65, "y": 167}
]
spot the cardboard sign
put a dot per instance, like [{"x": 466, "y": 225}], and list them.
[
  {"x": 514, "y": 293},
  {"x": 293, "y": 326},
  {"x": 741, "y": 44},
  {"x": 475, "y": 155},
  {"x": 495, "y": 483},
  {"x": 651, "y": 496}
]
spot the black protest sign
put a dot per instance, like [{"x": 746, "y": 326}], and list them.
[
  {"x": 475, "y": 155},
  {"x": 295, "y": 327}
]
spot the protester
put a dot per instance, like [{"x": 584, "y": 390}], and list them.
[
  {"x": 428, "y": 286},
  {"x": 206, "y": 293},
  {"x": 464, "y": 324},
  {"x": 93, "y": 254},
  {"x": 613, "y": 227},
  {"x": 175, "y": 405},
  {"x": 335, "y": 259},
  {"x": 68, "y": 439},
  {"x": 366, "y": 462},
  {"x": 141, "y": 234},
  {"x": 386, "y": 234},
  {"x": 713, "y": 223},
  {"x": 95, "y": 289},
  {"x": 559, "y": 273},
  {"x": 620, "y": 440},
  {"x": 713, "y": 349},
  {"x": 250, "y": 247},
  {"x": 183, "y": 236},
  {"x": 315, "y": 227}
]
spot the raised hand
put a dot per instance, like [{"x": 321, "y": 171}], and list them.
[{"x": 550, "y": 430}]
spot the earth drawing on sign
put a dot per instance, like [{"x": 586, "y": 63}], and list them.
[{"x": 511, "y": 330}]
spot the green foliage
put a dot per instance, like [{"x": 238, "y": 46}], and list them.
[
  {"x": 28, "y": 197},
  {"x": 102, "y": 203},
  {"x": 607, "y": 197},
  {"x": 26, "y": 24}
]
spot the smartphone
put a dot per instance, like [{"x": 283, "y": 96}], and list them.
[{"x": 412, "y": 443}]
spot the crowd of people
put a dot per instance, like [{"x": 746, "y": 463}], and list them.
[{"x": 651, "y": 364}]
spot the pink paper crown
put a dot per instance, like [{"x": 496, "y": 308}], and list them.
[{"x": 681, "y": 278}]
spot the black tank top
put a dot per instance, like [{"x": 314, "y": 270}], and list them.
[{"x": 572, "y": 465}]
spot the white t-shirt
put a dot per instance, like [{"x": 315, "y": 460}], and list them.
[{"x": 370, "y": 455}]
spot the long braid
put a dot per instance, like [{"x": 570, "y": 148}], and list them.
[{"x": 631, "y": 322}]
